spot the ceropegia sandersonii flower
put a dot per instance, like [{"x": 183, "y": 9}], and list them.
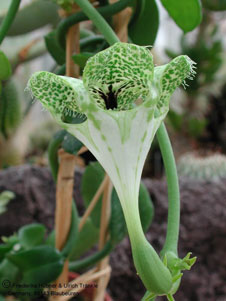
[{"x": 122, "y": 101}]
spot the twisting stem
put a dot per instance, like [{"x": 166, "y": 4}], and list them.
[
  {"x": 173, "y": 191},
  {"x": 8, "y": 20},
  {"x": 98, "y": 20}
]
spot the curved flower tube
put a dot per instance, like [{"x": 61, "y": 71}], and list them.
[{"x": 124, "y": 100}]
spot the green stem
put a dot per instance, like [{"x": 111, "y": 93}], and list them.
[
  {"x": 98, "y": 20},
  {"x": 171, "y": 242},
  {"x": 8, "y": 20},
  {"x": 78, "y": 265}
]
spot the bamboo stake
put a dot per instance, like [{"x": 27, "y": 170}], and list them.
[
  {"x": 72, "y": 45},
  {"x": 65, "y": 181},
  {"x": 84, "y": 281},
  {"x": 105, "y": 216}
]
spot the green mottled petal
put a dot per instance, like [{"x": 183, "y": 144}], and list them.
[
  {"x": 58, "y": 94},
  {"x": 170, "y": 76},
  {"x": 123, "y": 70}
]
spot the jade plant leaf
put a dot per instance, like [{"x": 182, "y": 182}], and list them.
[
  {"x": 8, "y": 271},
  {"x": 40, "y": 265},
  {"x": 143, "y": 29},
  {"x": 187, "y": 14},
  {"x": 31, "y": 235}
]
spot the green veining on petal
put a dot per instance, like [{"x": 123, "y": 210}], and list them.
[{"x": 144, "y": 136}]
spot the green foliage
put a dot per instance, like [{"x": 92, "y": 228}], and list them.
[
  {"x": 5, "y": 198},
  {"x": 71, "y": 144},
  {"x": 187, "y": 14},
  {"x": 26, "y": 259},
  {"x": 184, "y": 122},
  {"x": 31, "y": 235},
  {"x": 144, "y": 25},
  {"x": 5, "y": 70},
  {"x": 85, "y": 240},
  {"x": 40, "y": 264},
  {"x": 53, "y": 47},
  {"x": 215, "y": 5},
  {"x": 196, "y": 126},
  {"x": 81, "y": 58},
  {"x": 34, "y": 15},
  {"x": 175, "y": 119},
  {"x": 10, "y": 110}
]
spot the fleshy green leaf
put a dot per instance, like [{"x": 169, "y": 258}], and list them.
[
  {"x": 5, "y": 67},
  {"x": 187, "y": 14},
  {"x": 117, "y": 226},
  {"x": 54, "y": 49},
  {"x": 86, "y": 239},
  {"x": 31, "y": 235},
  {"x": 143, "y": 29},
  {"x": 40, "y": 265},
  {"x": 81, "y": 58},
  {"x": 71, "y": 145},
  {"x": 146, "y": 207},
  {"x": 8, "y": 271},
  {"x": 91, "y": 180}
]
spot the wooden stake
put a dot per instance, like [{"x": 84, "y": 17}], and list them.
[
  {"x": 72, "y": 46},
  {"x": 84, "y": 279},
  {"x": 105, "y": 216},
  {"x": 64, "y": 192}
]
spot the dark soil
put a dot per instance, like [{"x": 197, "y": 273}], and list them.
[{"x": 203, "y": 230}]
